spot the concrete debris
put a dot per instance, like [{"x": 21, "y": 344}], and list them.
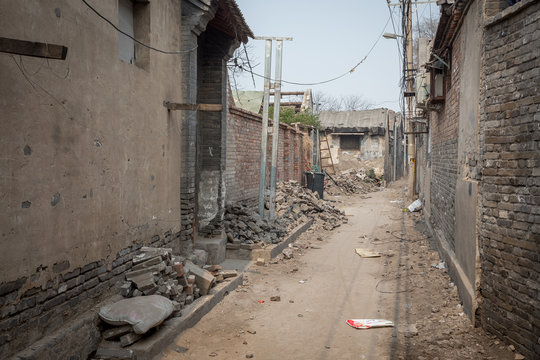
[
  {"x": 116, "y": 332},
  {"x": 288, "y": 253},
  {"x": 203, "y": 278},
  {"x": 275, "y": 298},
  {"x": 106, "y": 353},
  {"x": 367, "y": 253},
  {"x": 157, "y": 271},
  {"x": 294, "y": 206},
  {"x": 440, "y": 266},
  {"x": 353, "y": 181}
]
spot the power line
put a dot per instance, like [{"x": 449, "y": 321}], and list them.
[
  {"x": 132, "y": 38},
  {"x": 335, "y": 78}
]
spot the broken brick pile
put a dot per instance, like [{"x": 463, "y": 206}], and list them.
[
  {"x": 157, "y": 271},
  {"x": 294, "y": 205},
  {"x": 353, "y": 181},
  {"x": 244, "y": 226}
]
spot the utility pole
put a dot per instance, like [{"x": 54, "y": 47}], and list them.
[
  {"x": 275, "y": 134},
  {"x": 264, "y": 135},
  {"x": 409, "y": 76}
]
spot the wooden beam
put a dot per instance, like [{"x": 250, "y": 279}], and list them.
[
  {"x": 289, "y": 93},
  {"x": 193, "y": 107},
  {"x": 29, "y": 48}
]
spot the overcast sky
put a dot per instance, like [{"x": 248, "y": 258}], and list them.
[{"x": 329, "y": 38}]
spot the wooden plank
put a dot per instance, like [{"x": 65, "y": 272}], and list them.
[
  {"x": 193, "y": 107},
  {"x": 29, "y": 48}
]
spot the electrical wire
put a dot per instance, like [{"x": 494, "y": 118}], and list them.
[
  {"x": 132, "y": 38},
  {"x": 335, "y": 78}
]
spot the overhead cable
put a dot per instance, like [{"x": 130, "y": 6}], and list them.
[
  {"x": 132, "y": 38},
  {"x": 332, "y": 79}
]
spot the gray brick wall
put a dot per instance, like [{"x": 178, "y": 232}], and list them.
[
  {"x": 26, "y": 315},
  {"x": 444, "y": 155},
  {"x": 509, "y": 230}
]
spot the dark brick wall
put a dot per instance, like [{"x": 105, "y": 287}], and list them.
[
  {"x": 243, "y": 155},
  {"x": 509, "y": 230},
  {"x": 444, "y": 154},
  {"x": 28, "y": 314}
]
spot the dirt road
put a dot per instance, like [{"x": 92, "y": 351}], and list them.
[{"x": 327, "y": 283}]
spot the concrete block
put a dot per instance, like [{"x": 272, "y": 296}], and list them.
[
  {"x": 116, "y": 332},
  {"x": 228, "y": 273},
  {"x": 129, "y": 339},
  {"x": 215, "y": 247},
  {"x": 113, "y": 353},
  {"x": 204, "y": 279},
  {"x": 155, "y": 269},
  {"x": 141, "y": 264}
]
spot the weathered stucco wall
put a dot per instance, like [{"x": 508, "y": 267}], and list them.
[{"x": 90, "y": 157}]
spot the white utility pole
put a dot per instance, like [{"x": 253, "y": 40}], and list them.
[{"x": 275, "y": 134}]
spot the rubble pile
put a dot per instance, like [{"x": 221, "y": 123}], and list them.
[
  {"x": 295, "y": 205},
  {"x": 162, "y": 279},
  {"x": 244, "y": 226},
  {"x": 353, "y": 181}
]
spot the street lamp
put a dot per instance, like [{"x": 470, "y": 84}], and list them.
[{"x": 391, "y": 36}]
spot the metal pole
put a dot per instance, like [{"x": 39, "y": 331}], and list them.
[
  {"x": 394, "y": 170},
  {"x": 264, "y": 134},
  {"x": 410, "y": 86},
  {"x": 275, "y": 135}
]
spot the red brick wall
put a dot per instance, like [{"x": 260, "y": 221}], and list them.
[{"x": 243, "y": 155}]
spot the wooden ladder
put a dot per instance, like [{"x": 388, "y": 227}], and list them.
[{"x": 327, "y": 164}]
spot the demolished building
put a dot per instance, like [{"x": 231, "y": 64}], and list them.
[{"x": 365, "y": 135}]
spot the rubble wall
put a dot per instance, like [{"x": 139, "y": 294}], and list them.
[
  {"x": 509, "y": 229},
  {"x": 89, "y": 159},
  {"x": 243, "y": 155}
]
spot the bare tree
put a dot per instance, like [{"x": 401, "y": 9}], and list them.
[
  {"x": 243, "y": 61},
  {"x": 426, "y": 27},
  {"x": 354, "y": 102},
  {"x": 325, "y": 102}
]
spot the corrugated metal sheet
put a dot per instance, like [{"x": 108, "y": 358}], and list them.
[{"x": 353, "y": 119}]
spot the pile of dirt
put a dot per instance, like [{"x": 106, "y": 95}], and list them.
[{"x": 353, "y": 181}]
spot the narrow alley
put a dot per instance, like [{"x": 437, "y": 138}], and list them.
[
  {"x": 297, "y": 308},
  {"x": 254, "y": 179}
]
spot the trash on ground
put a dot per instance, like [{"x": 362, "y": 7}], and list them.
[
  {"x": 275, "y": 298},
  {"x": 261, "y": 301},
  {"x": 367, "y": 253},
  {"x": 369, "y": 323},
  {"x": 415, "y": 206},
  {"x": 440, "y": 266},
  {"x": 302, "y": 281}
]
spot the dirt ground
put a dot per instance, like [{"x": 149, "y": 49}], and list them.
[{"x": 327, "y": 283}]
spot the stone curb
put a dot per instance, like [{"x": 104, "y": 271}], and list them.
[
  {"x": 148, "y": 348},
  {"x": 295, "y": 234},
  {"x": 271, "y": 252}
]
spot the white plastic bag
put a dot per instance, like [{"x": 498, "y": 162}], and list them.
[{"x": 415, "y": 206}]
